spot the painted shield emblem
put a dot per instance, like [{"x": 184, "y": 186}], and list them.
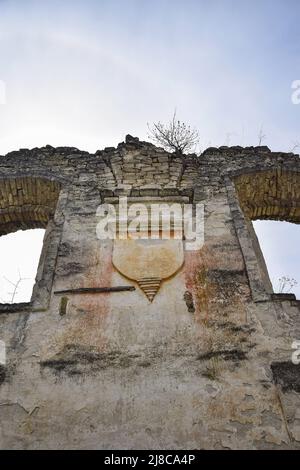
[{"x": 148, "y": 262}]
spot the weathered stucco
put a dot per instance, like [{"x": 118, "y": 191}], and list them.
[{"x": 205, "y": 363}]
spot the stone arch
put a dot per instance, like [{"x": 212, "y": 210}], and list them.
[
  {"x": 271, "y": 194},
  {"x": 26, "y": 202}
]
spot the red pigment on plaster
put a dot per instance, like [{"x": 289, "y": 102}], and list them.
[
  {"x": 191, "y": 264},
  {"x": 90, "y": 329},
  {"x": 195, "y": 263}
]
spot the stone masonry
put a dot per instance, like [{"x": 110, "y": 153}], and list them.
[{"x": 203, "y": 364}]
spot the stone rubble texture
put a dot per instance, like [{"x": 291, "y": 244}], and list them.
[{"x": 206, "y": 364}]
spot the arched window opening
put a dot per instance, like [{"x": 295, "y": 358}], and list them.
[
  {"x": 27, "y": 203},
  {"x": 280, "y": 245},
  {"x": 19, "y": 254},
  {"x": 266, "y": 198}
]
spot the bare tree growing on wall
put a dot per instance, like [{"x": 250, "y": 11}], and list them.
[
  {"x": 286, "y": 284},
  {"x": 16, "y": 285},
  {"x": 296, "y": 145},
  {"x": 175, "y": 136},
  {"x": 261, "y": 135}
]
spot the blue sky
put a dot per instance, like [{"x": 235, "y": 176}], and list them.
[{"x": 85, "y": 73}]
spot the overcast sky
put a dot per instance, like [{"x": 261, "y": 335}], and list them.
[{"x": 85, "y": 73}]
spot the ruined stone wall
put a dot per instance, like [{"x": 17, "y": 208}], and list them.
[{"x": 206, "y": 363}]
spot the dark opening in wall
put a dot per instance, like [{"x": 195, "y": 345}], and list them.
[
  {"x": 280, "y": 245},
  {"x": 19, "y": 254}
]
